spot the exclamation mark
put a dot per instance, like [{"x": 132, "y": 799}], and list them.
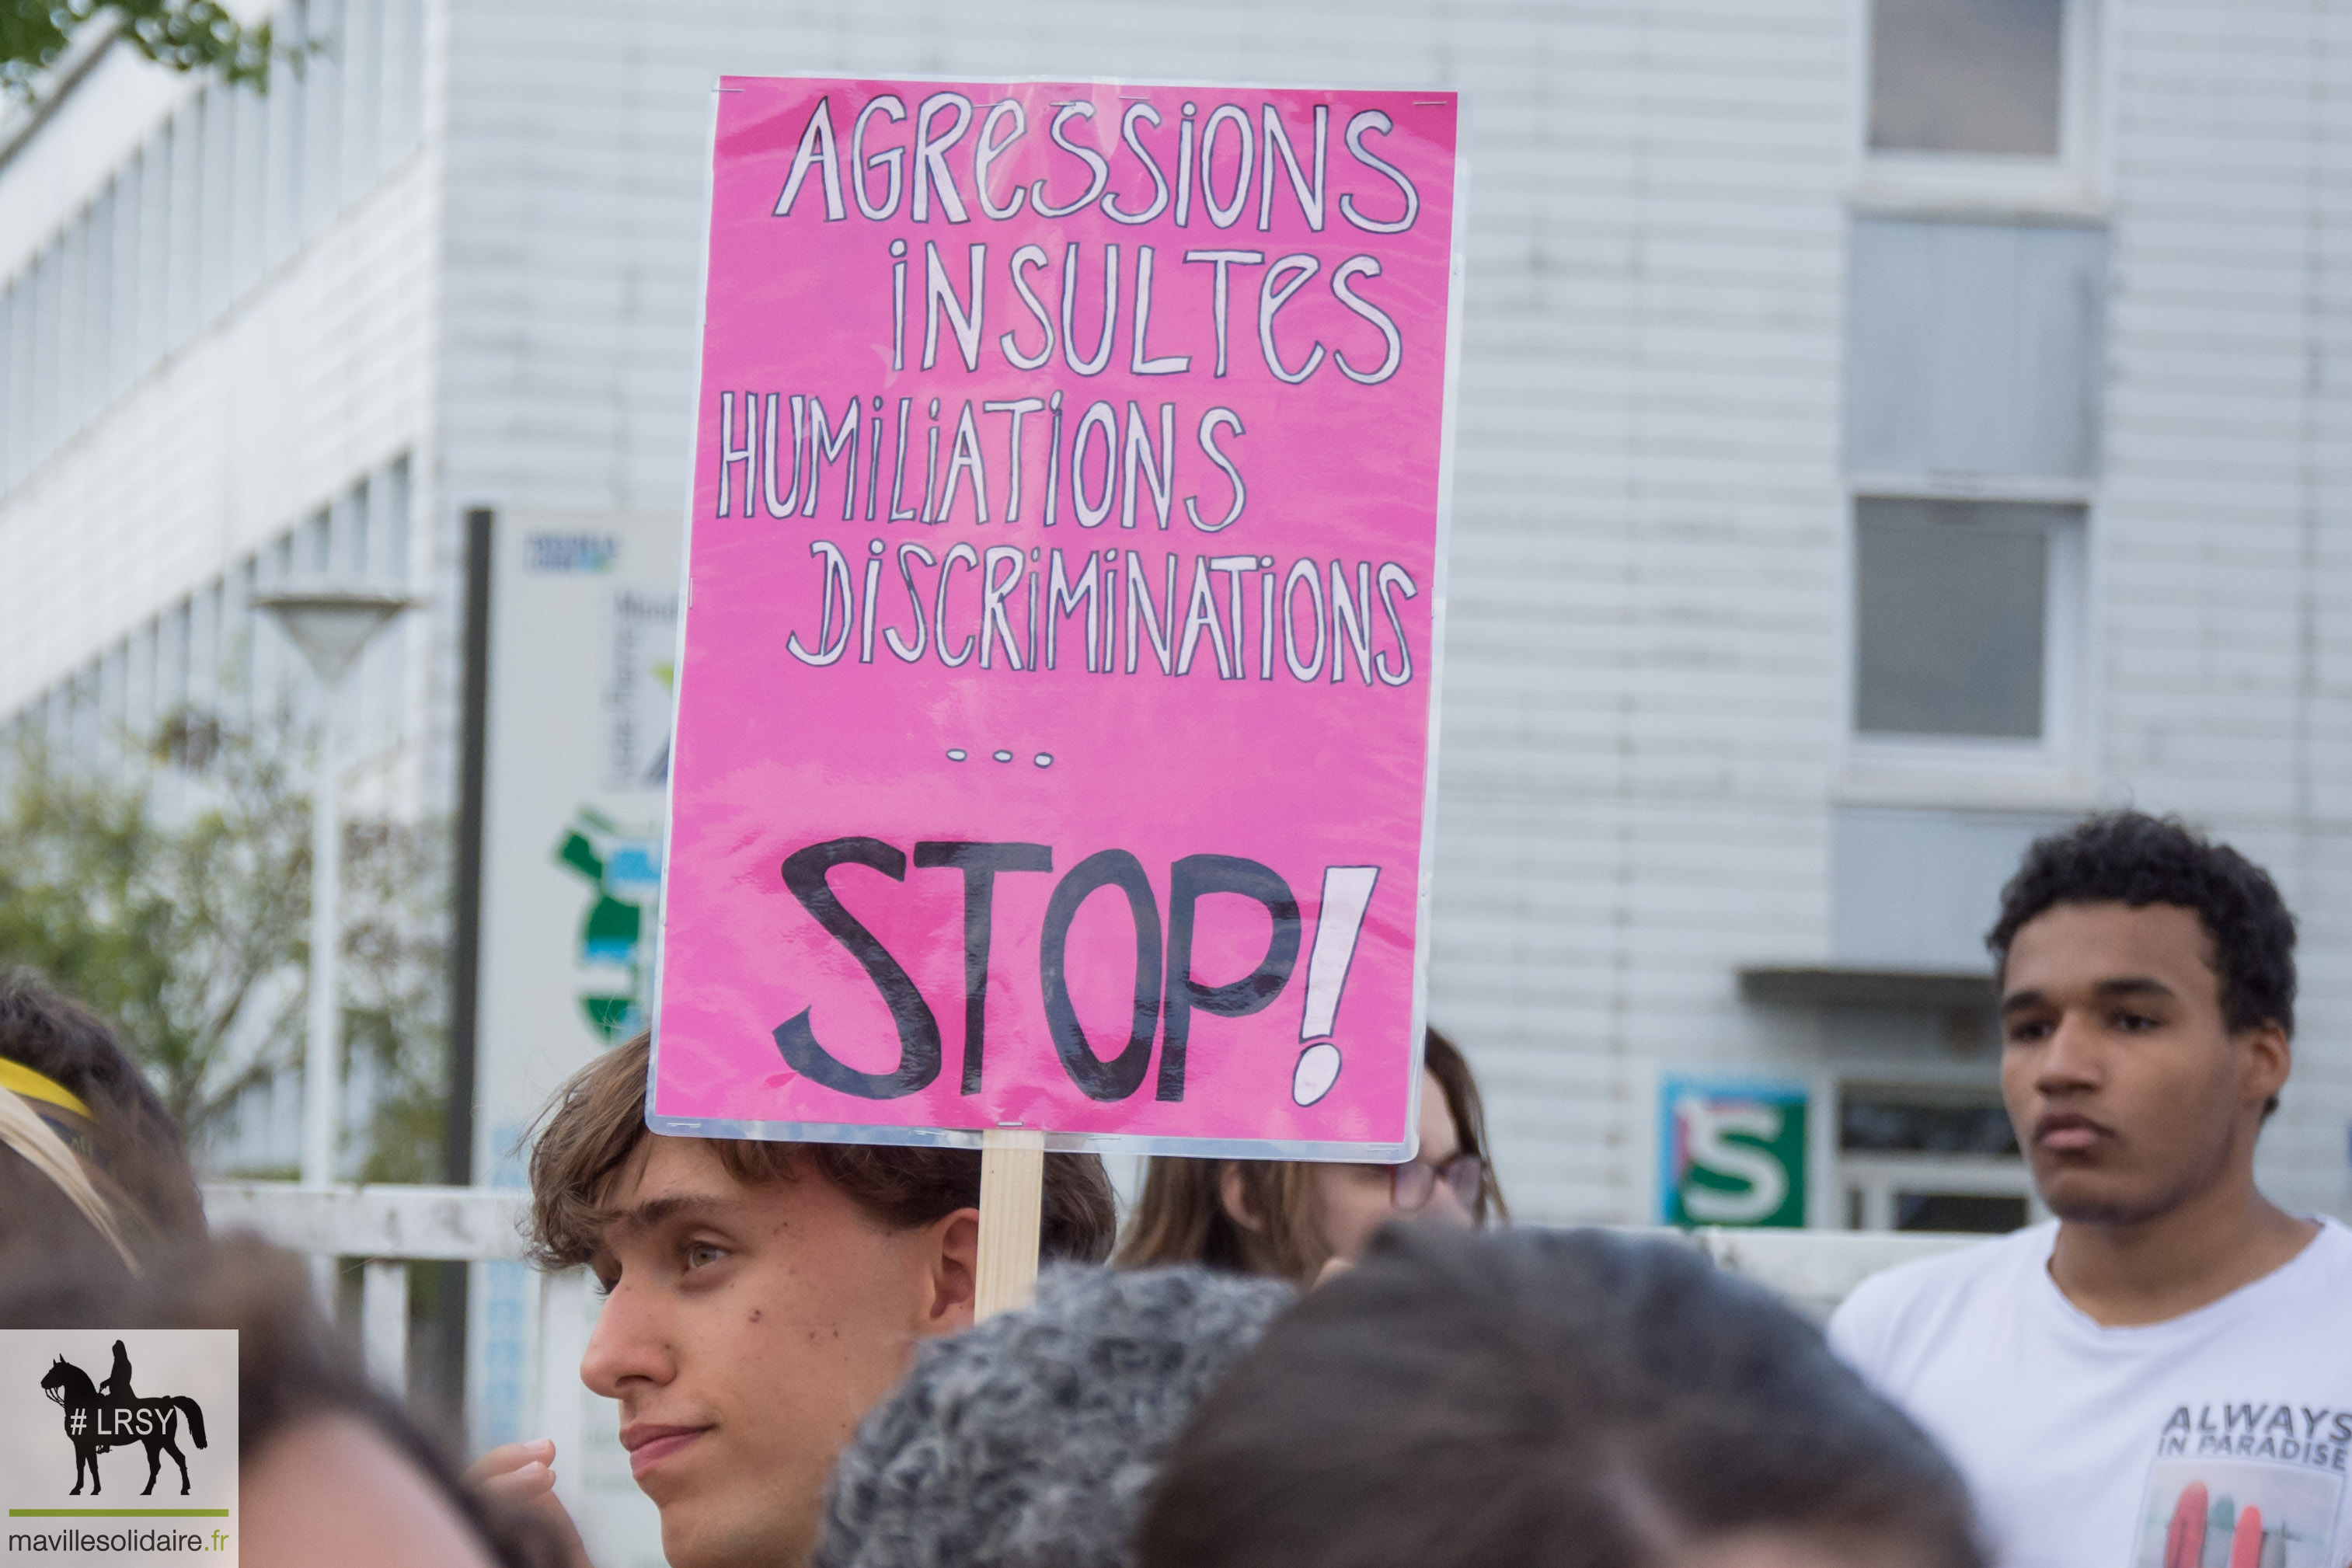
[{"x": 1346, "y": 894}]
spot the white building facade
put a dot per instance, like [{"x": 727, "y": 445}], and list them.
[{"x": 1886, "y": 430}]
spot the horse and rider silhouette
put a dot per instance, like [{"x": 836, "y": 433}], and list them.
[{"x": 113, "y": 1417}]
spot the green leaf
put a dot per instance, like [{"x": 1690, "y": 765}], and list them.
[{"x": 184, "y": 35}]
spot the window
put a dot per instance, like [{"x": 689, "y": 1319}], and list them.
[
  {"x": 203, "y": 649},
  {"x": 231, "y": 181},
  {"x": 1952, "y": 618},
  {"x": 313, "y": 554},
  {"x": 1913, "y": 1120},
  {"x": 1983, "y": 77},
  {"x": 1978, "y": 105},
  {"x": 1975, "y": 349},
  {"x": 1975, "y": 373},
  {"x": 1928, "y": 1157},
  {"x": 1914, "y": 887}
]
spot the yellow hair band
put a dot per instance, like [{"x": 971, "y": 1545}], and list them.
[
  {"x": 21, "y": 1079},
  {"x": 41, "y": 1147}
]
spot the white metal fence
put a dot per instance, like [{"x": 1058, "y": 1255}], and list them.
[{"x": 390, "y": 1226}]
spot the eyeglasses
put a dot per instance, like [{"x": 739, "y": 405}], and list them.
[{"x": 1414, "y": 1182}]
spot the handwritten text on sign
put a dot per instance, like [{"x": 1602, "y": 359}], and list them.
[{"x": 1053, "y": 736}]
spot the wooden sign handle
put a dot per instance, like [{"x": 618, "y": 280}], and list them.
[{"x": 1011, "y": 1202}]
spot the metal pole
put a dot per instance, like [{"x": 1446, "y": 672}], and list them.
[
  {"x": 322, "y": 1054},
  {"x": 466, "y": 945}
]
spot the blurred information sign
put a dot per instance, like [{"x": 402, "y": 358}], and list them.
[
  {"x": 1734, "y": 1150},
  {"x": 1054, "y": 733}
]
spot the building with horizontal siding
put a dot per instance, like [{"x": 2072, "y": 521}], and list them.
[{"x": 1885, "y": 431}]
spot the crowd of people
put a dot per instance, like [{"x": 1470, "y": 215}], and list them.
[{"x": 1325, "y": 1365}]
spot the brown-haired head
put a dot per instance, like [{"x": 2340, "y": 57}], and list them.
[
  {"x": 1547, "y": 1400},
  {"x": 125, "y": 1148},
  {"x": 1451, "y": 1068},
  {"x": 1182, "y": 1216},
  {"x": 596, "y": 1121}
]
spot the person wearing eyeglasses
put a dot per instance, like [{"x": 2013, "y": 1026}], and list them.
[{"x": 1289, "y": 1219}]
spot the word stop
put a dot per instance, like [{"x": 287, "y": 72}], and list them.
[{"x": 1162, "y": 1011}]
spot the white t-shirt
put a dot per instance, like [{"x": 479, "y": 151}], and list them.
[{"x": 2217, "y": 1439}]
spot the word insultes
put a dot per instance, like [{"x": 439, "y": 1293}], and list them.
[
  {"x": 1028, "y": 608},
  {"x": 965, "y": 311},
  {"x": 1167, "y": 993}
]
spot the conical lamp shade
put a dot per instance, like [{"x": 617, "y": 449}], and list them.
[{"x": 330, "y": 625}]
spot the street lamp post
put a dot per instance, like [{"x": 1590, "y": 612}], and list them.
[{"x": 330, "y": 625}]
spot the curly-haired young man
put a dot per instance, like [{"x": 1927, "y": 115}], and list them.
[
  {"x": 760, "y": 1299},
  {"x": 2156, "y": 1376}
]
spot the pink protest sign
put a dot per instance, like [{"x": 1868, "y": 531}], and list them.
[{"x": 1054, "y": 718}]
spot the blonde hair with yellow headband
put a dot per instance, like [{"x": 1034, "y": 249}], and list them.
[
  {"x": 39, "y": 1145},
  {"x": 70, "y": 1070},
  {"x": 31, "y": 1085}
]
